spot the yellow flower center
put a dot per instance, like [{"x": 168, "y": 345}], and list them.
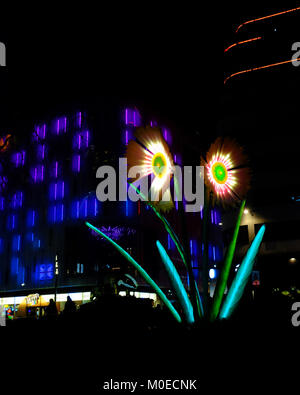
[{"x": 159, "y": 164}]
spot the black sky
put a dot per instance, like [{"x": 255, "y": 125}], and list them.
[{"x": 167, "y": 60}]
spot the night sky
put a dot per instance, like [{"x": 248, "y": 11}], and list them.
[{"x": 167, "y": 61}]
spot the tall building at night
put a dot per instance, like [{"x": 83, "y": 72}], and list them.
[
  {"x": 48, "y": 191},
  {"x": 259, "y": 106}
]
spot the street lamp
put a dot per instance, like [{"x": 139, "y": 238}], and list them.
[{"x": 56, "y": 276}]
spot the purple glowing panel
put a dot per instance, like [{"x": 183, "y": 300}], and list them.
[
  {"x": 31, "y": 219},
  {"x": 39, "y": 133},
  {"x": 3, "y": 183},
  {"x": 128, "y": 135},
  {"x": 167, "y": 136},
  {"x": 132, "y": 117},
  {"x": 55, "y": 170},
  {"x": 57, "y": 190},
  {"x": 59, "y": 126},
  {"x": 16, "y": 243},
  {"x": 1, "y": 245},
  {"x": 12, "y": 222},
  {"x": 76, "y": 163},
  {"x": 56, "y": 213},
  {"x": 75, "y": 207},
  {"x": 41, "y": 150},
  {"x": 2, "y": 203},
  {"x": 37, "y": 173},
  {"x": 16, "y": 159},
  {"x": 17, "y": 200},
  {"x": 81, "y": 140},
  {"x": 79, "y": 120}
]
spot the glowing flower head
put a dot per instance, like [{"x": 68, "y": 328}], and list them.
[
  {"x": 226, "y": 171},
  {"x": 151, "y": 153}
]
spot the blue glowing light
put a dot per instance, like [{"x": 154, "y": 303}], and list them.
[
  {"x": 212, "y": 273},
  {"x": 12, "y": 222},
  {"x": 76, "y": 163},
  {"x": 177, "y": 284},
  {"x": 46, "y": 271},
  {"x": 37, "y": 173},
  {"x": 238, "y": 285},
  {"x": 57, "y": 190},
  {"x": 39, "y": 133},
  {"x": 16, "y": 243},
  {"x": 18, "y": 158},
  {"x": 31, "y": 218},
  {"x": 17, "y": 200},
  {"x": 81, "y": 140},
  {"x": 41, "y": 151},
  {"x": 1, "y": 245},
  {"x": 56, "y": 213}
]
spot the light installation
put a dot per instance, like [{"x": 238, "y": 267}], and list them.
[
  {"x": 177, "y": 284},
  {"x": 151, "y": 153},
  {"x": 226, "y": 172},
  {"x": 238, "y": 285}
]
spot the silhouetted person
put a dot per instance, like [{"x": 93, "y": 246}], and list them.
[
  {"x": 51, "y": 310},
  {"x": 70, "y": 306}
]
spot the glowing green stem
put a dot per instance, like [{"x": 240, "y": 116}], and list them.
[
  {"x": 224, "y": 274},
  {"x": 177, "y": 284},
  {"x": 238, "y": 285},
  {"x": 168, "y": 227},
  {"x": 142, "y": 272}
]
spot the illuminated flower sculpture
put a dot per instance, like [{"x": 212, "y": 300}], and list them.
[
  {"x": 151, "y": 153},
  {"x": 226, "y": 171},
  {"x": 227, "y": 179}
]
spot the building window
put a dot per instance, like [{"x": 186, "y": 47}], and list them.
[
  {"x": 79, "y": 268},
  {"x": 46, "y": 272}
]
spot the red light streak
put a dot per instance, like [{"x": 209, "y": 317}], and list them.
[
  {"x": 259, "y": 68},
  {"x": 266, "y": 17},
  {"x": 241, "y": 42}
]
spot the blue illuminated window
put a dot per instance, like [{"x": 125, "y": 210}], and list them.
[
  {"x": 79, "y": 120},
  {"x": 76, "y": 163},
  {"x": 59, "y": 126},
  {"x": 37, "y": 173},
  {"x": 18, "y": 158},
  {"x": 55, "y": 169},
  {"x": 2, "y": 203},
  {"x": 14, "y": 265},
  {"x": 84, "y": 208},
  {"x": 1, "y": 245},
  {"x": 81, "y": 140},
  {"x": 31, "y": 218},
  {"x": 46, "y": 271},
  {"x": 193, "y": 248},
  {"x": 56, "y": 213},
  {"x": 129, "y": 208},
  {"x": 30, "y": 237},
  {"x": 16, "y": 243},
  {"x": 12, "y": 222},
  {"x": 17, "y": 200},
  {"x": 57, "y": 190},
  {"x": 41, "y": 151},
  {"x": 39, "y": 133}
]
